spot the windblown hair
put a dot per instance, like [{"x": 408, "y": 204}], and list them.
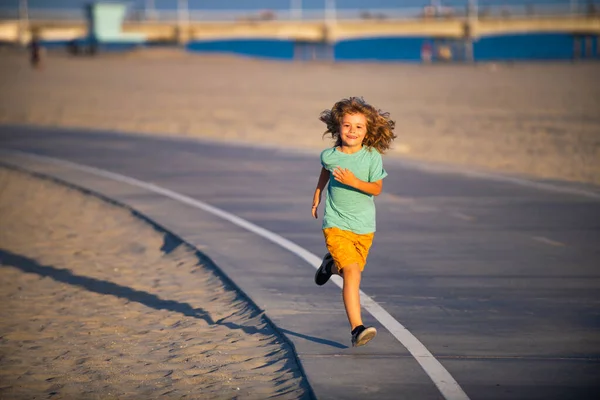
[{"x": 380, "y": 128}]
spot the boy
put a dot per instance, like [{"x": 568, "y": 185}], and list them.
[{"x": 361, "y": 133}]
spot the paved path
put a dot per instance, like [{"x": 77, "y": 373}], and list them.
[{"x": 499, "y": 280}]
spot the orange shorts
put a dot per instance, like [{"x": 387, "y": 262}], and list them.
[{"x": 347, "y": 247}]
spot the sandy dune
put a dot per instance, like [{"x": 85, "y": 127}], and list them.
[
  {"x": 541, "y": 120},
  {"x": 97, "y": 304}
]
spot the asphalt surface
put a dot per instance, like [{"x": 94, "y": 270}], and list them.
[{"x": 499, "y": 278}]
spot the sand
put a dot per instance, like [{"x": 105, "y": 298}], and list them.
[
  {"x": 91, "y": 307},
  {"x": 536, "y": 120}
]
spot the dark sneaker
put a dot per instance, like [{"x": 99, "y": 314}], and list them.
[
  {"x": 362, "y": 335},
  {"x": 324, "y": 272}
]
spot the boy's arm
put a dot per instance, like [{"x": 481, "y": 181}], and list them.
[
  {"x": 323, "y": 179},
  {"x": 346, "y": 177}
]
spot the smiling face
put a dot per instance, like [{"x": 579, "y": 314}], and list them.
[{"x": 352, "y": 132}]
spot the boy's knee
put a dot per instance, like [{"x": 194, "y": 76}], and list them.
[{"x": 351, "y": 270}]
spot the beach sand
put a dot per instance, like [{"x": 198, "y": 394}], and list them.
[
  {"x": 92, "y": 307},
  {"x": 537, "y": 120}
]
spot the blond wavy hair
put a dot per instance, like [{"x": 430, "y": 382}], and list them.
[{"x": 380, "y": 128}]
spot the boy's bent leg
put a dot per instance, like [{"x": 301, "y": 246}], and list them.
[{"x": 350, "y": 293}]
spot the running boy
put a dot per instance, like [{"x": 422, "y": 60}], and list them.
[{"x": 361, "y": 133}]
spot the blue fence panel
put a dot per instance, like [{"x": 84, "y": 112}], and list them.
[
  {"x": 266, "y": 48},
  {"x": 381, "y": 49},
  {"x": 525, "y": 46}
]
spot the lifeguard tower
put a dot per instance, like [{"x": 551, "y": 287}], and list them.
[{"x": 104, "y": 21}]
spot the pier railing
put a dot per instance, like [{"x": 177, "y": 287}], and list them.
[{"x": 437, "y": 9}]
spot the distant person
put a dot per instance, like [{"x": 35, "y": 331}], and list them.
[
  {"x": 35, "y": 52},
  {"x": 361, "y": 133},
  {"x": 444, "y": 53},
  {"x": 426, "y": 52}
]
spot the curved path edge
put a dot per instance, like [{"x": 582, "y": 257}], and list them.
[
  {"x": 441, "y": 378},
  {"x": 206, "y": 260}
]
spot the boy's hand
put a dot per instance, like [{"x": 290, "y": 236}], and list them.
[
  {"x": 314, "y": 212},
  {"x": 345, "y": 176}
]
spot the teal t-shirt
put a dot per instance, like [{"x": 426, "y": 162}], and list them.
[{"x": 345, "y": 207}]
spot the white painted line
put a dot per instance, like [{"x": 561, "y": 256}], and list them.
[
  {"x": 445, "y": 383},
  {"x": 551, "y": 242},
  {"x": 460, "y": 215}
]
